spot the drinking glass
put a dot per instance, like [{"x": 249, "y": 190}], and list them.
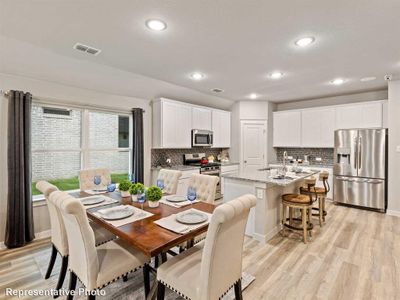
[
  {"x": 141, "y": 198},
  {"x": 191, "y": 195},
  {"x": 111, "y": 187},
  {"x": 97, "y": 180},
  {"x": 160, "y": 184}
]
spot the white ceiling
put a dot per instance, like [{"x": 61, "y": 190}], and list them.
[{"x": 236, "y": 43}]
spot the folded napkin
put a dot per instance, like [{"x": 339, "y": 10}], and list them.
[
  {"x": 95, "y": 192},
  {"x": 107, "y": 201},
  {"x": 170, "y": 223},
  {"x": 138, "y": 214},
  {"x": 175, "y": 204}
]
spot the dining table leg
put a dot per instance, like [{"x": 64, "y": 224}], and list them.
[{"x": 153, "y": 292}]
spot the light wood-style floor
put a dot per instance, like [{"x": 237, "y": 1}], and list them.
[{"x": 356, "y": 255}]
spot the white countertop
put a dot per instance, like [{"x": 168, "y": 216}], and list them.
[{"x": 266, "y": 177}]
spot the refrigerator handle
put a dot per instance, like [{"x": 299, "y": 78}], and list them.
[
  {"x": 355, "y": 154},
  {"x": 359, "y": 152}
]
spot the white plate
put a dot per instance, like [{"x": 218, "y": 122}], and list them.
[
  {"x": 176, "y": 198},
  {"x": 92, "y": 200},
  {"x": 116, "y": 213},
  {"x": 191, "y": 217}
]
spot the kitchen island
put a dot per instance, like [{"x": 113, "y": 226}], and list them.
[{"x": 264, "y": 219}]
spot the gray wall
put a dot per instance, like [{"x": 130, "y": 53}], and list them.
[{"x": 394, "y": 142}]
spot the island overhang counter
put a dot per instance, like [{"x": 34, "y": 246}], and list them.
[{"x": 265, "y": 219}]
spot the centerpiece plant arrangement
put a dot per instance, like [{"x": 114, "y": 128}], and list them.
[
  {"x": 136, "y": 189},
  {"x": 124, "y": 187},
  {"x": 154, "y": 195}
]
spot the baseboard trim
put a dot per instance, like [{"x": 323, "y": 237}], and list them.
[
  {"x": 264, "y": 238},
  {"x": 394, "y": 213},
  {"x": 38, "y": 236}
]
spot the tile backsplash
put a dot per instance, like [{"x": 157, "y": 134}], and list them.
[
  {"x": 159, "y": 156},
  {"x": 326, "y": 154}
]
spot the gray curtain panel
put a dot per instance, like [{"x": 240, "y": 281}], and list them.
[
  {"x": 138, "y": 148},
  {"x": 19, "y": 227}
]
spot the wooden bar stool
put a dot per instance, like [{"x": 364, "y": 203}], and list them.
[
  {"x": 302, "y": 202},
  {"x": 321, "y": 193}
]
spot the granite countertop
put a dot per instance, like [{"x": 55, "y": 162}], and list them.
[
  {"x": 312, "y": 165},
  {"x": 266, "y": 177}
]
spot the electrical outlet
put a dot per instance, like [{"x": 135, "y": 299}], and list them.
[
  {"x": 260, "y": 194},
  {"x": 318, "y": 159}
]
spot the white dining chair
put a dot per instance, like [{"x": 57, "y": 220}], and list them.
[
  {"x": 86, "y": 179},
  {"x": 171, "y": 179},
  {"x": 96, "y": 267},
  {"x": 59, "y": 239},
  {"x": 205, "y": 185},
  {"x": 208, "y": 270}
]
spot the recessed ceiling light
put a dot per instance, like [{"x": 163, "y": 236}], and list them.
[
  {"x": 337, "y": 81},
  {"x": 253, "y": 96},
  {"x": 197, "y": 76},
  {"x": 156, "y": 25},
  {"x": 217, "y": 90},
  {"x": 276, "y": 75},
  {"x": 365, "y": 79},
  {"x": 303, "y": 42}
]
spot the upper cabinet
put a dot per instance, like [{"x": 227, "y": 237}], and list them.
[
  {"x": 363, "y": 115},
  {"x": 201, "y": 118},
  {"x": 315, "y": 127},
  {"x": 287, "y": 129},
  {"x": 221, "y": 127},
  {"x": 173, "y": 122}
]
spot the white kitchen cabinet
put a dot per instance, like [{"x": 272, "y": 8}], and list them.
[
  {"x": 231, "y": 170},
  {"x": 201, "y": 118},
  {"x": 317, "y": 127},
  {"x": 172, "y": 124},
  {"x": 363, "y": 115},
  {"x": 287, "y": 129},
  {"x": 221, "y": 127}
]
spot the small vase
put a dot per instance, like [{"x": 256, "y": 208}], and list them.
[
  {"x": 134, "y": 198},
  {"x": 125, "y": 194},
  {"x": 154, "y": 204}
]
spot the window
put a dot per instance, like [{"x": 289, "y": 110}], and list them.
[{"x": 66, "y": 140}]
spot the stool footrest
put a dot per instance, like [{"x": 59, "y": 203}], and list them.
[{"x": 310, "y": 226}]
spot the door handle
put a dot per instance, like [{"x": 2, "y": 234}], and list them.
[
  {"x": 355, "y": 154},
  {"x": 359, "y": 152}
]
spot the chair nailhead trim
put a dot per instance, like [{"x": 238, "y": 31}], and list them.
[
  {"x": 186, "y": 297},
  {"x": 106, "y": 242},
  {"x": 115, "y": 279}
]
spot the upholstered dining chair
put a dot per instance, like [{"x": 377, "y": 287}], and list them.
[
  {"x": 86, "y": 179},
  {"x": 96, "y": 267},
  {"x": 208, "y": 270},
  {"x": 205, "y": 185},
  {"x": 59, "y": 238},
  {"x": 171, "y": 179}
]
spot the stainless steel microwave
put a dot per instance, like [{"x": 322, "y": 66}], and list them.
[{"x": 202, "y": 138}]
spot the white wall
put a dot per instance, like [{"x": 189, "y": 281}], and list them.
[
  {"x": 394, "y": 141},
  {"x": 59, "y": 93},
  {"x": 342, "y": 99}
]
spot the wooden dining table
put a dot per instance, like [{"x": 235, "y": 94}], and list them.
[{"x": 145, "y": 235}]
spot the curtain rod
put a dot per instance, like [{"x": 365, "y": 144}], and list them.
[{"x": 51, "y": 101}]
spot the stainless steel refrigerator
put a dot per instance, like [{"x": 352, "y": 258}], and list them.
[{"x": 360, "y": 168}]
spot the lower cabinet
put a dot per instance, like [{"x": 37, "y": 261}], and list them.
[{"x": 231, "y": 169}]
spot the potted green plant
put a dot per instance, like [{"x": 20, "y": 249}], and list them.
[
  {"x": 153, "y": 195},
  {"x": 136, "y": 189},
  {"x": 124, "y": 187}
]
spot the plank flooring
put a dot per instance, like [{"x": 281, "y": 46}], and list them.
[{"x": 356, "y": 255}]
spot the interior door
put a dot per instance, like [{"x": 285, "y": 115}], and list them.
[
  {"x": 254, "y": 138},
  {"x": 371, "y": 153}
]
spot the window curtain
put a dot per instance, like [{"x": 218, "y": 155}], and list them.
[
  {"x": 137, "y": 147},
  {"x": 19, "y": 225}
]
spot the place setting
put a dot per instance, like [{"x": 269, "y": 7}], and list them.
[
  {"x": 179, "y": 201},
  {"x": 121, "y": 214}
]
